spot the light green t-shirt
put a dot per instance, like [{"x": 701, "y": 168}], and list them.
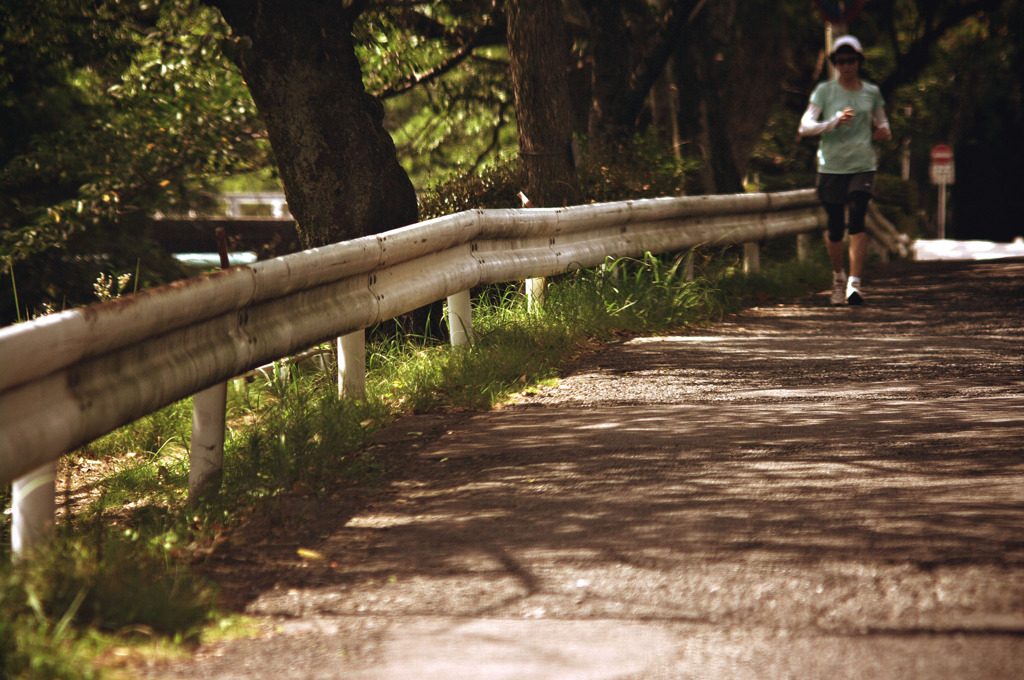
[{"x": 848, "y": 149}]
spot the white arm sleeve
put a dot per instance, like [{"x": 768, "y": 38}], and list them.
[
  {"x": 880, "y": 119},
  {"x": 810, "y": 126}
]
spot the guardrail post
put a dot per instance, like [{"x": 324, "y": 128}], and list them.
[
  {"x": 804, "y": 245},
  {"x": 206, "y": 454},
  {"x": 352, "y": 365},
  {"x": 460, "y": 318},
  {"x": 535, "y": 290},
  {"x": 209, "y": 420},
  {"x": 33, "y": 504},
  {"x": 751, "y": 258}
]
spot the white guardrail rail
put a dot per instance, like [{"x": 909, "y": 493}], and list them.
[{"x": 68, "y": 378}]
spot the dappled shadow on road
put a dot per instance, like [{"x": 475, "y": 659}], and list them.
[
  {"x": 486, "y": 523},
  {"x": 929, "y": 483},
  {"x": 800, "y": 473},
  {"x": 709, "y": 455},
  {"x": 928, "y": 331},
  {"x": 774, "y": 367}
]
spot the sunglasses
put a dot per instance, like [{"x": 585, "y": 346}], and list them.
[{"x": 843, "y": 61}]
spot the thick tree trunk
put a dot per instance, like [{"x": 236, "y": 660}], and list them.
[
  {"x": 338, "y": 163},
  {"x": 539, "y": 55}
]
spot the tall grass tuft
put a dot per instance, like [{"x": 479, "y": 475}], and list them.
[
  {"x": 293, "y": 429},
  {"x": 116, "y": 583},
  {"x": 107, "y": 582},
  {"x": 637, "y": 295},
  {"x": 33, "y": 645}
]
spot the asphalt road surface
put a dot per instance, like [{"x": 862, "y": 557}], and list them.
[{"x": 802, "y": 491}]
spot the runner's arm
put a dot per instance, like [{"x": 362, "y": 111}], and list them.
[
  {"x": 809, "y": 125},
  {"x": 882, "y": 130}
]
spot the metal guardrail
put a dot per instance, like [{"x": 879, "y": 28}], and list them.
[
  {"x": 886, "y": 234},
  {"x": 71, "y": 377}
]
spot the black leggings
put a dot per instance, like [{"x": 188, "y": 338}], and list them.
[{"x": 837, "y": 220}]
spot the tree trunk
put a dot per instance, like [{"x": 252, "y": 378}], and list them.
[
  {"x": 539, "y": 56},
  {"x": 611, "y": 56},
  {"x": 339, "y": 165},
  {"x": 736, "y": 56},
  {"x": 628, "y": 55}
]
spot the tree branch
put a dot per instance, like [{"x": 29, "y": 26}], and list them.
[
  {"x": 678, "y": 15},
  {"x": 495, "y": 137},
  {"x": 479, "y": 37}
]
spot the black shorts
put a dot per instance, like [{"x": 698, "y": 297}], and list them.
[{"x": 837, "y": 188}]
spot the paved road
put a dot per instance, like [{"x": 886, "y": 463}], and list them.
[{"x": 798, "y": 492}]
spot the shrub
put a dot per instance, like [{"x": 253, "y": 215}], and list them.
[
  {"x": 647, "y": 171},
  {"x": 495, "y": 187}
]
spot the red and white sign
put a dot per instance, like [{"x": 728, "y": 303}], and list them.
[{"x": 942, "y": 167}]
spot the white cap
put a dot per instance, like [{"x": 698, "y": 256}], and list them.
[{"x": 848, "y": 41}]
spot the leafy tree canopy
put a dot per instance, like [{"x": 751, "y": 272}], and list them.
[
  {"x": 109, "y": 112},
  {"x": 442, "y": 70}
]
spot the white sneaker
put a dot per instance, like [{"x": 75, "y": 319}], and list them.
[
  {"x": 838, "y": 289},
  {"x": 854, "y": 296}
]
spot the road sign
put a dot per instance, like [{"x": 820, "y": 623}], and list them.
[
  {"x": 941, "y": 171},
  {"x": 942, "y": 166}
]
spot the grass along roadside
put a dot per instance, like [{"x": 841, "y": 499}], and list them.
[{"x": 117, "y": 578}]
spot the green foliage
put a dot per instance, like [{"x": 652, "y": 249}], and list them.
[
  {"x": 649, "y": 294},
  {"x": 99, "y": 581},
  {"x": 511, "y": 348},
  {"x": 898, "y": 192},
  {"x": 106, "y": 583},
  {"x": 464, "y": 121},
  {"x": 778, "y": 278},
  {"x": 144, "y": 128},
  {"x": 648, "y": 172},
  {"x": 33, "y": 646},
  {"x": 950, "y": 72},
  {"x": 971, "y": 96},
  {"x": 147, "y": 436},
  {"x": 781, "y": 161},
  {"x": 290, "y": 428},
  {"x": 496, "y": 187},
  {"x": 460, "y": 114},
  {"x": 899, "y": 200}
]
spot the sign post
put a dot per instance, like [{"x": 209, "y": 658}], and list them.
[{"x": 942, "y": 173}]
